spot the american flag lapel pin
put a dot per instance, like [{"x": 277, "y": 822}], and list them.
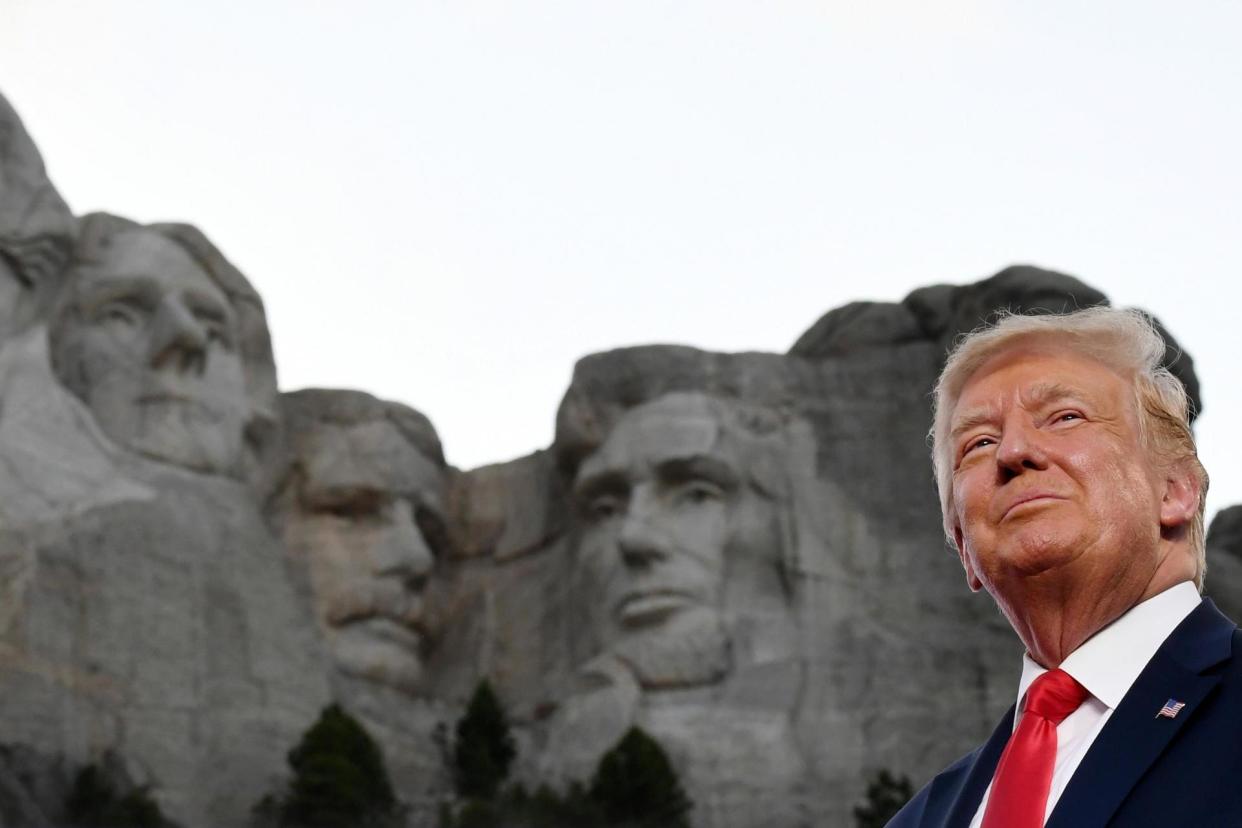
[{"x": 1171, "y": 708}]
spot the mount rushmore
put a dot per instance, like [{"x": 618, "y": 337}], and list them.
[{"x": 741, "y": 553}]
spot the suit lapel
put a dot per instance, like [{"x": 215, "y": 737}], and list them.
[
  {"x": 957, "y": 797},
  {"x": 1135, "y": 736}
]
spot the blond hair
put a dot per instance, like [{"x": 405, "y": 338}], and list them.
[{"x": 1125, "y": 341}]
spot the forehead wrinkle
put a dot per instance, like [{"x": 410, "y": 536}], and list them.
[
  {"x": 94, "y": 283},
  {"x": 646, "y": 439},
  {"x": 604, "y": 467},
  {"x": 1031, "y": 397},
  {"x": 1042, "y": 393}
]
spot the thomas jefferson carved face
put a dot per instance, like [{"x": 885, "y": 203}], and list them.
[
  {"x": 149, "y": 342},
  {"x": 673, "y": 531},
  {"x": 367, "y": 525}
]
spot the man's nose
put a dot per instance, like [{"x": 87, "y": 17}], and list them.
[
  {"x": 640, "y": 541},
  {"x": 178, "y": 339},
  {"x": 1021, "y": 449},
  {"x": 403, "y": 552}
]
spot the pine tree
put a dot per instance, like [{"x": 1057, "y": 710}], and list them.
[
  {"x": 339, "y": 778},
  {"x": 94, "y": 802},
  {"x": 885, "y": 796},
  {"x": 636, "y": 785},
  {"x": 484, "y": 750}
]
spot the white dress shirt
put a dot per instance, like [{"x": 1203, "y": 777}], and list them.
[{"x": 1107, "y": 664}]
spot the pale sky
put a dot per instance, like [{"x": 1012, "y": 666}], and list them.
[{"x": 447, "y": 203}]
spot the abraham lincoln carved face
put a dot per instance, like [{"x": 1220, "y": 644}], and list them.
[{"x": 678, "y": 526}]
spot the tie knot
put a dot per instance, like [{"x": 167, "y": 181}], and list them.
[{"x": 1054, "y": 695}]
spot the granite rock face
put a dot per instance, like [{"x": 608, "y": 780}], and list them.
[
  {"x": 740, "y": 553},
  {"x": 36, "y": 228},
  {"x": 1224, "y": 561},
  {"x": 147, "y": 608}
]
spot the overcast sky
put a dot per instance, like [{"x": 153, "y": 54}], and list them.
[{"x": 447, "y": 203}]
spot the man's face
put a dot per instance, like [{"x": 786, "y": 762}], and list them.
[
  {"x": 664, "y": 511},
  {"x": 1050, "y": 477},
  {"x": 151, "y": 347},
  {"x": 365, "y": 511}
]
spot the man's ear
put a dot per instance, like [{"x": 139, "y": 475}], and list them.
[
  {"x": 1181, "y": 498},
  {"x": 972, "y": 579}
]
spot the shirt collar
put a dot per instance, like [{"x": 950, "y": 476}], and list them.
[{"x": 1108, "y": 662}]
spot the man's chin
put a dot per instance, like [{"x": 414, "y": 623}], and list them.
[
  {"x": 189, "y": 436},
  {"x": 1020, "y": 567},
  {"x": 691, "y": 648},
  {"x": 378, "y": 658}
]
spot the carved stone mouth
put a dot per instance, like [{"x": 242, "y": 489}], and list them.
[
  {"x": 641, "y": 607},
  {"x": 391, "y": 630}
]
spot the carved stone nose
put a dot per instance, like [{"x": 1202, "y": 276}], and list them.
[{"x": 178, "y": 340}]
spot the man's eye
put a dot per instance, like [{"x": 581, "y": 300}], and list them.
[
  {"x": 979, "y": 442},
  {"x": 1067, "y": 416},
  {"x": 699, "y": 492},
  {"x": 604, "y": 507},
  {"x": 360, "y": 507},
  {"x": 120, "y": 312}
]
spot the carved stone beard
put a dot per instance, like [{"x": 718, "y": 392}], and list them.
[{"x": 691, "y": 649}]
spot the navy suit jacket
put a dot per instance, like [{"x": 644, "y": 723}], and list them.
[{"x": 1142, "y": 770}]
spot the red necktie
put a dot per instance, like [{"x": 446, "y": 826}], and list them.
[{"x": 1024, "y": 775}]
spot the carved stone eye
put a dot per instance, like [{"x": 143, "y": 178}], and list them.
[
  {"x": 699, "y": 492},
  {"x": 604, "y": 507},
  {"x": 120, "y": 312}
]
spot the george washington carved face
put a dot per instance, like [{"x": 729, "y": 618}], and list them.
[{"x": 150, "y": 342}]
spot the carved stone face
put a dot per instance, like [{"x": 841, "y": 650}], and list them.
[
  {"x": 149, "y": 343},
  {"x": 367, "y": 518},
  {"x": 673, "y": 533}
]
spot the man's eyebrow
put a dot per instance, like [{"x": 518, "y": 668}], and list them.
[
  {"x": 605, "y": 479},
  {"x": 205, "y": 303},
  {"x": 972, "y": 421},
  {"x": 699, "y": 467},
  {"x": 1039, "y": 394},
  {"x": 101, "y": 290}
]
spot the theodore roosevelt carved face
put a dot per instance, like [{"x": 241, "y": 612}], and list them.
[{"x": 363, "y": 514}]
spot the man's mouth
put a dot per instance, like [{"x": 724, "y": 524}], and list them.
[
  {"x": 640, "y": 607},
  {"x": 1030, "y": 500},
  {"x": 395, "y": 632}
]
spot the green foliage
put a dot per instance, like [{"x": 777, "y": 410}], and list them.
[
  {"x": 95, "y": 803},
  {"x": 635, "y": 785},
  {"x": 483, "y": 751},
  {"x": 886, "y": 794},
  {"x": 339, "y": 779},
  {"x": 515, "y": 808}
]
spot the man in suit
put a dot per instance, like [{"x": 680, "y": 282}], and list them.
[{"x": 1070, "y": 486}]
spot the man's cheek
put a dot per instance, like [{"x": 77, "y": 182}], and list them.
[{"x": 599, "y": 560}]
